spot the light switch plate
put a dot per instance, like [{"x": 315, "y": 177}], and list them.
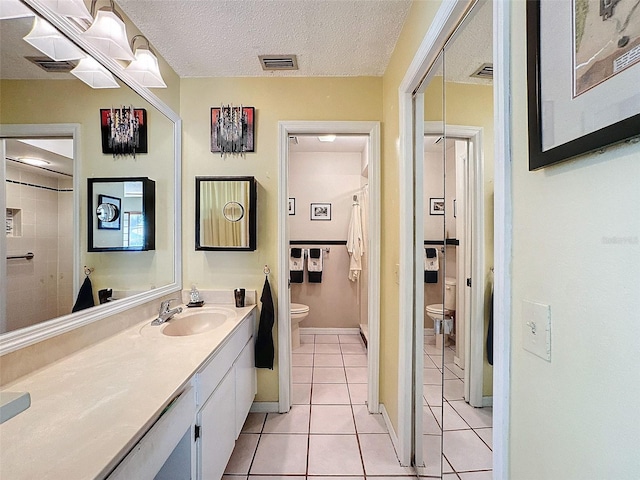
[{"x": 536, "y": 329}]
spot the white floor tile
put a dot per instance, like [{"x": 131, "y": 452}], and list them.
[
  {"x": 432, "y": 376},
  {"x": 254, "y": 423},
  {"x": 357, "y": 374},
  {"x": 295, "y": 420},
  {"x": 236, "y": 477},
  {"x": 436, "y": 360},
  {"x": 431, "y": 456},
  {"x": 454, "y": 389},
  {"x": 355, "y": 360},
  {"x": 358, "y": 393},
  {"x": 485, "y": 475},
  {"x": 379, "y": 456},
  {"x": 456, "y": 370},
  {"x": 431, "y": 349},
  {"x": 327, "y": 339},
  {"x": 428, "y": 362},
  {"x": 476, "y": 417},
  {"x": 368, "y": 422},
  {"x": 350, "y": 338},
  {"x": 242, "y": 455},
  {"x": 330, "y": 394},
  {"x": 279, "y": 454},
  {"x": 332, "y": 419},
  {"x": 332, "y": 348},
  {"x": 302, "y": 359},
  {"x": 465, "y": 451},
  {"x": 450, "y": 476},
  {"x": 301, "y": 374},
  {"x": 307, "y": 338},
  {"x": 327, "y": 360},
  {"x": 334, "y": 455},
  {"x": 301, "y": 394},
  {"x": 305, "y": 348},
  {"x": 277, "y": 477},
  {"x": 329, "y": 375},
  {"x": 432, "y": 394},
  {"x": 339, "y": 478},
  {"x": 353, "y": 348},
  {"x": 486, "y": 434},
  {"x": 453, "y": 421},
  {"x": 431, "y": 420}
]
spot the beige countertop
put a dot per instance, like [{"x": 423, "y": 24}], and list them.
[{"x": 89, "y": 409}]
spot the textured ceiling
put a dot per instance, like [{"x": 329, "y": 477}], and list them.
[{"x": 223, "y": 38}]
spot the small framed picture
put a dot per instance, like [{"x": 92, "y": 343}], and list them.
[
  {"x": 320, "y": 211},
  {"x": 292, "y": 206},
  {"x": 436, "y": 206}
]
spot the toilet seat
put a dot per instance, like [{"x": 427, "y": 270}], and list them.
[
  {"x": 438, "y": 309},
  {"x": 297, "y": 308}
]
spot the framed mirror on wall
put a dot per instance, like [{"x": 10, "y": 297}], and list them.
[
  {"x": 226, "y": 213},
  {"x": 35, "y": 104}
]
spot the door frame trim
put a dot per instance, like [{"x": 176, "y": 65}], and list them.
[{"x": 372, "y": 130}]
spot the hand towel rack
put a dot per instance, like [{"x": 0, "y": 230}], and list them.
[{"x": 28, "y": 256}]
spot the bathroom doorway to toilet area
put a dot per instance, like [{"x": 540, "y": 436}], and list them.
[{"x": 288, "y": 205}]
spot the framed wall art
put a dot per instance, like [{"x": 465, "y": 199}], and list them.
[
  {"x": 583, "y": 72},
  {"x": 109, "y": 212},
  {"x": 123, "y": 130},
  {"x": 320, "y": 211},
  {"x": 436, "y": 206},
  {"x": 232, "y": 129}
]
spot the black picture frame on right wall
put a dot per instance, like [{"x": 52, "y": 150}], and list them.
[{"x": 582, "y": 78}]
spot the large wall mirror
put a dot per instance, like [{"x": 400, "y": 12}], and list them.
[
  {"x": 45, "y": 207},
  {"x": 226, "y": 213}
]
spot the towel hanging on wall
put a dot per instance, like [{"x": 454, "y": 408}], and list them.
[
  {"x": 314, "y": 265},
  {"x": 296, "y": 265},
  {"x": 431, "y": 265},
  {"x": 264, "y": 348},
  {"x": 85, "y": 296},
  {"x": 355, "y": 243}
]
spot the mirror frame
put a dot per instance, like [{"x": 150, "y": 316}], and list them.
[
  {"x": 253, "y": 206},
  {"x": 15, "y": 340}
]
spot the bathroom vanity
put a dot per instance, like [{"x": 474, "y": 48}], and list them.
[{"x": 141, "y": 404}]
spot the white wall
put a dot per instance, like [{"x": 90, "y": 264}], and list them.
[
  {"x": 576, "y": 247},
  {"x": 326, "y": 178}
]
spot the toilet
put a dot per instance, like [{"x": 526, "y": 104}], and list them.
[
  {"x": 298, "y": 313},
  {"x": 443, "y": 314}
]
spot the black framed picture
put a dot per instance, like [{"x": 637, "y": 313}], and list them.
[
  {"x": 232, "y": 129},
  {"x": 109, "y": 212},
  {"x": 320, "y": 211},
  {"x": 436, "y": 206},
  {"x": 123, "y": 130},
  {"x": 292, "y": 206},
  {"x": 583, "y": 72}
]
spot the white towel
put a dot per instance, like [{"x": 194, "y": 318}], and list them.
[
  {"x": 314, "y": 264},
  {"x": 431, "y": 264},
  {"x": 296, "y": 264},
  {"x": 355, "y": 243}
]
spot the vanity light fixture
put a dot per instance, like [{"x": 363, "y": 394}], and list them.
[
  {"x": 46, "y": 38},
  {"x": 14, "y": 9},
  {"x": 75, "y": 9},
  {"x": 144, "y": 69},
  {"x": 108, "y": 33},
  {"x": 93, "y": 74},
  {"x": 327, "y": 138}
]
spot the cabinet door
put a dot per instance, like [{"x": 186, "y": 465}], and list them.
[
  {"x": 245, "y": 384},
  {"x": 217, "y": 429}
]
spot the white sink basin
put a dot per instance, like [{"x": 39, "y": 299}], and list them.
[{"x": 194, "y": 323}]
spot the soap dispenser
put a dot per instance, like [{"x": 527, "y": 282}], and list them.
[{"x": 194, "y": 298}]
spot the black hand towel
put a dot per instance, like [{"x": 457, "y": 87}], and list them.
[
  {"x": 490, "y": 333},
  {"x": 85, "y": 296},
  {"x": 431, "y": 252},
  {"x": 264, "y": 342},
  {"x": 314, "y": 252},
  {"x": 296, "y": 252}
]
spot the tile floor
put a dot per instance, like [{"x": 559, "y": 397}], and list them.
[
  {"x": 467, "y": 436},
  {"x": 330, "y": 435}
]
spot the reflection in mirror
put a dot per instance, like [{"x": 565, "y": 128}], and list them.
[
  {"x": 226, "y": 213},
  {"x": 121, "y": 214},
  {"x": 40, "y": 98}
]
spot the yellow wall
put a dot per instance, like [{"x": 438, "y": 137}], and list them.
[
  {"x": 275, "y": 99},
  {"x": 576, "y": 247},
  {"x": 418, "y": 20}
]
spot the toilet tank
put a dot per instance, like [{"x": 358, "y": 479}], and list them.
[{"x": 450, "y": 293}]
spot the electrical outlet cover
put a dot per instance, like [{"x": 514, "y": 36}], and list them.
[{"x": 536, "y": 329}]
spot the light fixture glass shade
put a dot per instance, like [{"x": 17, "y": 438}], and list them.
[
  {"x": 327, "y": 138},
  {"x": 93, "y": 74},
  {"x": 109, "y": 35},
  {"x": 13, "y": 9},
  {"x": 49, "y": 41},
  {"x": 69, "y": 8},
  {"x": 144, "y": 69}
]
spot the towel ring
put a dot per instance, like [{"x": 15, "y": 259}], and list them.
[
  {"x": 266, "y": 270},
  {"x": 88, "y": 270}
]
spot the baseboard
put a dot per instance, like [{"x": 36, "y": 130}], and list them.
[
  {"x": 264, "y": 407},
  {"x": 392, "y": 432},
  {"x": 329, "y": 331},
  {"x": 487, "y": 401}
]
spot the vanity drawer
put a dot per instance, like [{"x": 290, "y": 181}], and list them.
[{"x": 215, "y": 369}]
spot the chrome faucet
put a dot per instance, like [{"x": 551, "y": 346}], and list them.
[{"x": 165, "y": 314}]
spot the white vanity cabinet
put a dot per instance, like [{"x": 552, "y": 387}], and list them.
[{"x": 226, "y": 387}]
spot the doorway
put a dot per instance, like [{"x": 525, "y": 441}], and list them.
[{"x": 371, "y": 130}]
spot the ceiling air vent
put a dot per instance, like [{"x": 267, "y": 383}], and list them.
[
  {"x": 278, "y": 62},
  {"x": 52, "y": 66},
  {"x": 485, "y": 71}
]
